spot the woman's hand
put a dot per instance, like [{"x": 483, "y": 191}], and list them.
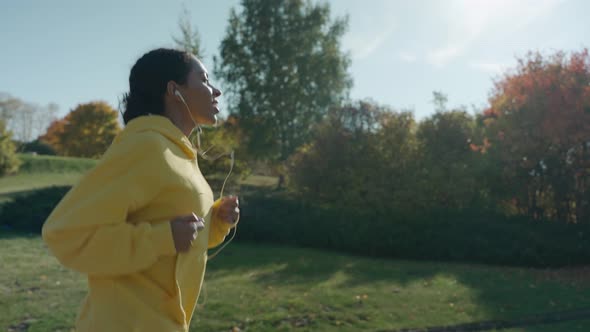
[
  {"x": 229, "y": 209},
  {"x": 185, "y": 230}
]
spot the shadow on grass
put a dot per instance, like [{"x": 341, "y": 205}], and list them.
[{"x": 502, "y": 293}]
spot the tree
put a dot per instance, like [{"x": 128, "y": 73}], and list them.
[
  {"x": 87, "y": 131},
  {"x": 449, "y": 169},
  {"x": 397, "y": 161},
  {"x": 189, "y": 40},
  {"x": 282, "y": 69},
  {"x": 538, "y": 128},
  {"x": 361, "y": 155},
  {"x": 54, "y": 134},
  {"x": 43, "y": 118},
  {"x": 332, "y": 167},
  {"x": 9, "y": 162},
  {"x": 8, "y": 107},
  {"x": 25, "y": 120}
]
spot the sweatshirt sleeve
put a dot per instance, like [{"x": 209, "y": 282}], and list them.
[
  {"x": 219, "y": 228},
  {"x": 88, "y": 230}
]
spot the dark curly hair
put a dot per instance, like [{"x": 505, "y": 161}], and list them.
[{"x": 148, "y": 79}]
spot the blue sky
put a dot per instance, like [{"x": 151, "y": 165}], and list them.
[{"x": 71, "y": 52}]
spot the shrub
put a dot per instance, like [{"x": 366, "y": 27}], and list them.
[
  {"x": 28, "y": 212},
  {"x": 471, "y": 235},
  {"x": 9, "y": 162},
  {"x": 53, "y": 164},
  {"x": 37, "y": 147}
]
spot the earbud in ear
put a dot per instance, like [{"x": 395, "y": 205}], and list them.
[{"x": 179, "y": 95}]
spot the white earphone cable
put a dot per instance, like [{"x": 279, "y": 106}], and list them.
[{"x": 206, "y": 157}]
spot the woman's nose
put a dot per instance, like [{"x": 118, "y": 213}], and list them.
[{"x": 216, "y": 92}]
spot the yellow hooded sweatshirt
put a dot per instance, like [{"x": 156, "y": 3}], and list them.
[{"x": 114, "y": 226}]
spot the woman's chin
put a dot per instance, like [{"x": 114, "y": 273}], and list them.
[{"x": 210, "y": 121}]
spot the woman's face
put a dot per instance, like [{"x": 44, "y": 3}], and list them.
[{"x": 200, "y": 96}]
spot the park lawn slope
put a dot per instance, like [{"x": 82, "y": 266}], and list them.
[{"x": 273, "y": 288}]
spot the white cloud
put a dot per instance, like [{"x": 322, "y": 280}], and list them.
[
  {"x": 527, "y": 12},
  {"x": 442, "y": 56},
  {"x": 481, "y": 15},
  {"x": 407, "y": 57},
  {"x": 361, "y": 47},
  {"x": 369, "y": 30},
  {"x": 488, "y": 67},
  {"x": 470, "y": 20}
]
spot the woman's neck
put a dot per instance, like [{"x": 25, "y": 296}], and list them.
[{"x": 178, "y": 118}]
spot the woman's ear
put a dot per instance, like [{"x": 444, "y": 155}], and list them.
[{"x": 171, "y": 87}]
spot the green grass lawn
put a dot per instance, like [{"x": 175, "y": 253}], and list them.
[
  {"x": 25, "y": 182},
  {"x": 268, "y": 288}
]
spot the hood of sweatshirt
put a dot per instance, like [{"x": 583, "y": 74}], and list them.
[{"x": 162, "y": 125}]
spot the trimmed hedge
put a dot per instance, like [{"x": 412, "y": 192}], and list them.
[
  {"x": 38, "y": 147},
  {"x": 52, "y": 164},
  {"x": 28, "y": 212},
  {"x": 470, "y": 236}
]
